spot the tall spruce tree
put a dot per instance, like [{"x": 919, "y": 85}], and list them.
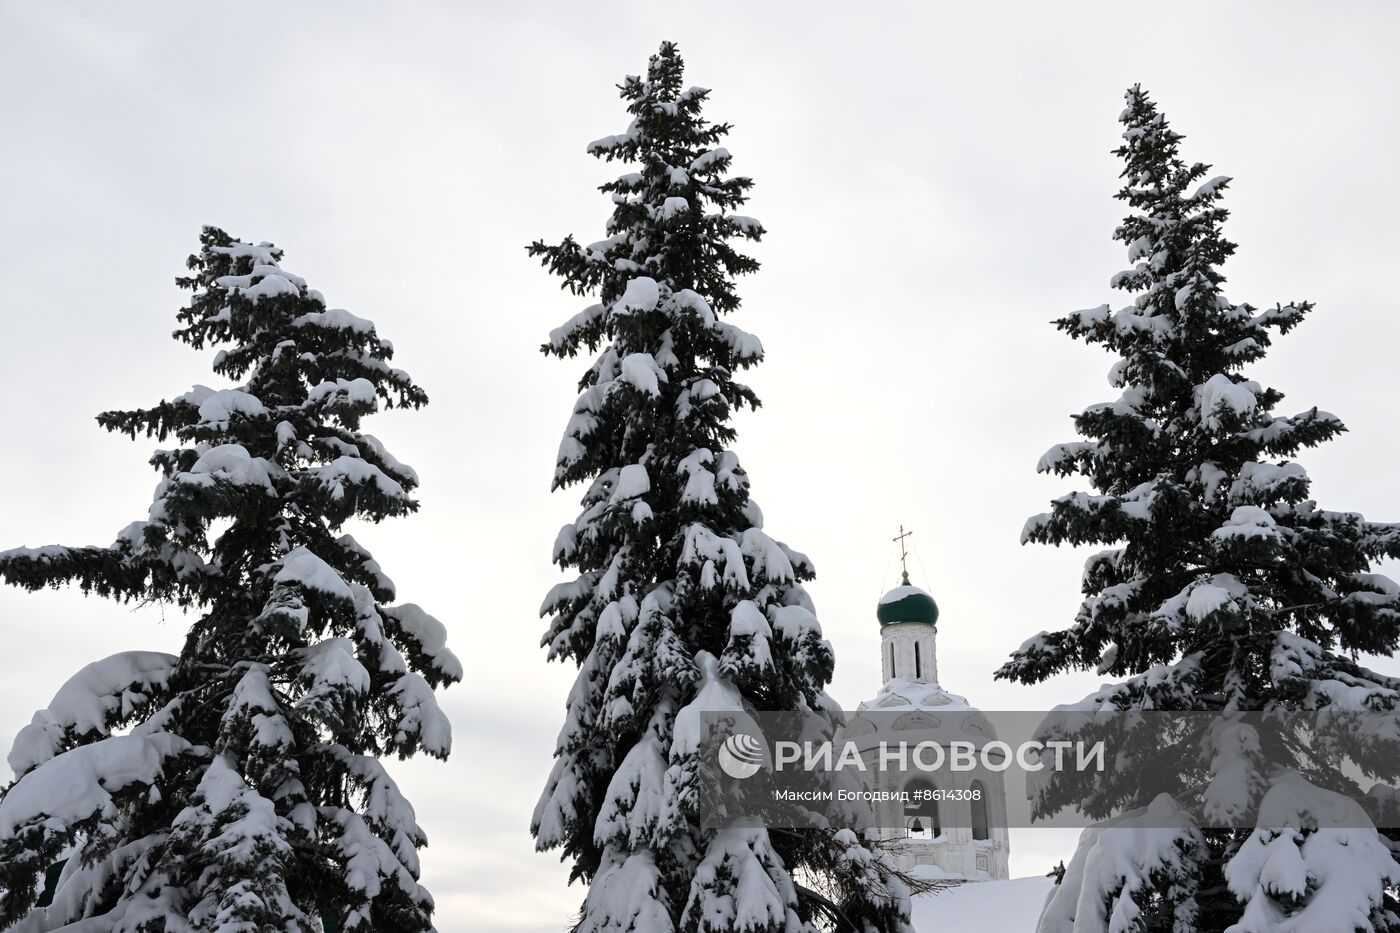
[
  {"x": 1225, "y": 589},
  {"x": 682, "y": 603},
  {"x": 246, "y": 792}
]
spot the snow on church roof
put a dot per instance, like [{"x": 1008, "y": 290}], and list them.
[
  {"x": 907, "y": 603},
  {"x": 900, "y": 694},
  {"x": 899, "y": 592}
]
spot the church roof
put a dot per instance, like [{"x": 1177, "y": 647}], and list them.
[
  {"x": 900, "y": 694},
  {"x": 907, "y": 603}
]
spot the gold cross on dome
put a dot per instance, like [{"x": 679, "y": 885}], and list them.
[{"x": 903, "y": 552}]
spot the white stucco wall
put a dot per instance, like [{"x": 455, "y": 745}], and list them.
[{"x": 915, "y": 652}]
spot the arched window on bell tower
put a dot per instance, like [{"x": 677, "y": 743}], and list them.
[{"x": 979, "y": 811}]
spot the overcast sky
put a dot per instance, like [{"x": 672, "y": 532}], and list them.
[{"x": 936, "y": 181}]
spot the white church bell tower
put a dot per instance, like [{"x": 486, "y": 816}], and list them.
[{"x": 953, "y": 826}]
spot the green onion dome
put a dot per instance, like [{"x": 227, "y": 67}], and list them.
[{"x": 907, "y": 603}]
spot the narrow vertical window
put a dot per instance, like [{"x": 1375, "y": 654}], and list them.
[
  {"x": 891, "y": 677},
  {"x": 979, "y": 811},
  {"x": 918, "y": 666}
]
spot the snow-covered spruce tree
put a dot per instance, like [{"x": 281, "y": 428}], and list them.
[
  {"x": 1225, "y": 589},
  {"x": 247, "y": 792},
  {"x": 682, "y": 603}
]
